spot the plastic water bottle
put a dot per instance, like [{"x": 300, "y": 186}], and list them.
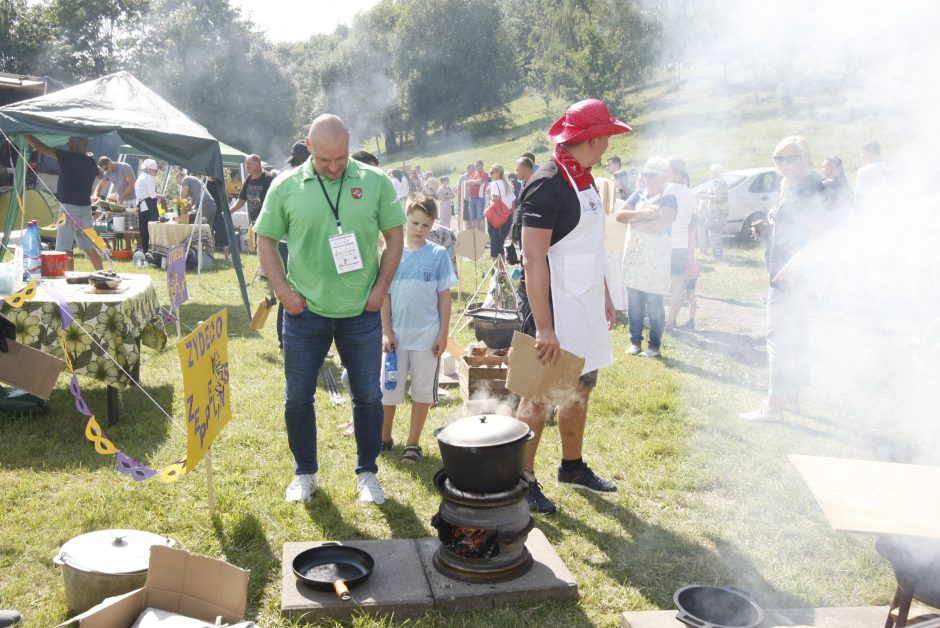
[
  {"x": 391, "y": 370},
  {"x": 139, "y": 260},
  {"x": 32, "y": 262}
]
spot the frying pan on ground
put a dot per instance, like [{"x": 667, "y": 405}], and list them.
[{"x": 333, "y": 567}]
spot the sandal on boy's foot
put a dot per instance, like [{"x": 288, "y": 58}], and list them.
[
  {"x": 411, "y": 454},
  {"x": 387, "y": 445}
]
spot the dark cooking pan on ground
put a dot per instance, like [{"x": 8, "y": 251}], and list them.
[{"x": 333, "y": 567}]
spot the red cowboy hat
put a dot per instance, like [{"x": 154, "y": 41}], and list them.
[{"x": 584, "y": 120}]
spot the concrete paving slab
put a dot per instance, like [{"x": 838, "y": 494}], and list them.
[
  {"x": 547, "y": 579},
  {"x": 846, "y": 617},
  {"x": 398, "y": 584}
]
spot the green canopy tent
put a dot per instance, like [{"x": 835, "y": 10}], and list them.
[{"x": 119, "y": 103}]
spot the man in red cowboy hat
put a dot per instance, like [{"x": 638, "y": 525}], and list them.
[{"x": 563, "y": 297}]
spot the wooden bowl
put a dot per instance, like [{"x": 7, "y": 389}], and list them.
[{"x": 121, "y": 255}]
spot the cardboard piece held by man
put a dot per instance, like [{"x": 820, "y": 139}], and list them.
[
  {"x": 261, "y": 314},
  {"x": 30, "y": 369},
  {"x": 528, "y": 377}
]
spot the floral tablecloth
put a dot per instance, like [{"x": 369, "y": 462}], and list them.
[
  {"x": 115, "y": 321},
  {"x": 163, "y": 235}
]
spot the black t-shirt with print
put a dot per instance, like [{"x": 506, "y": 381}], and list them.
[{"x": 253, "y": 193}]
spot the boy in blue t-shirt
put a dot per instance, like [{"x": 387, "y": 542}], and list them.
[{"x": 415, "y": 322}]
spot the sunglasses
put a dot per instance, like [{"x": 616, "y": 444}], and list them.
[{"x": 787, "y": 159}]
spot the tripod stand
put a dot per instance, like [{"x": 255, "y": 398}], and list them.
[{"x": 504, "y": 288}]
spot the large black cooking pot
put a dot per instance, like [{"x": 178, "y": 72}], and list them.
[
  {"x": 484, "y": 453},
  {"x": 704, "y": 606},
  {"x": 494, "y": 328}
]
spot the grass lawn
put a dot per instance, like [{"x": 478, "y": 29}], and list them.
[{"x": 702, "y": 496}]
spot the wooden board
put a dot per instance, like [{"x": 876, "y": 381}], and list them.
[{"x": 876, "y": 497}]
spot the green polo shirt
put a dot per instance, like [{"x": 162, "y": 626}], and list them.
[{"x": 296, "y": 208}]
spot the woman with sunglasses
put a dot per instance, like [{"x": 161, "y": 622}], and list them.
[{"x": 790, "y": 225}]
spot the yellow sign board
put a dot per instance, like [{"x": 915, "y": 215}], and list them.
[{"x": 204, "y": 361}]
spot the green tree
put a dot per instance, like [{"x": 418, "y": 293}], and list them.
[
  {"x": 207, "y": 60},
  {"x": 93, "y": 37},
  {"x": 452, "y": 60},
  {"x": 593, "y": 49},
  {"x": 25, "y": 30}
]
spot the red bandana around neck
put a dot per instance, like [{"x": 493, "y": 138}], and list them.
[{"x": 581, "y": 175}]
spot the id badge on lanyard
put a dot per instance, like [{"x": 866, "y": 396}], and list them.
[
  {"x": 344, "y": 246},
  {"x": 345, "y": 250}
]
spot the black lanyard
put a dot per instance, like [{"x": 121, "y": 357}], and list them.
[{"x": 329, "y": 202}]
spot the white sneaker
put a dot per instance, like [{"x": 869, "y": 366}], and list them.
[
  {"x": 650, "y": 353},
  {"x": 370, "y": 491},
  {"x": 633, "y": 350},
  {"x": 302, "y": 488}
]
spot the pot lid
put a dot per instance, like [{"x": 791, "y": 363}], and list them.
[
  {"x": 483, "y": 430},
  {"x": 487, "y": 314},
  {"x": 111, "y": 551}
]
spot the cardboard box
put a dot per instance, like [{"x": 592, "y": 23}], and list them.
[
  {"x": 177, "y": 581},
  {"x": 30, "y": 369}
]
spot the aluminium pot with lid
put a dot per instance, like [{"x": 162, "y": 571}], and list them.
[
  {"x": 105, "y": 563},
  {"x": 484, "y": 453}
]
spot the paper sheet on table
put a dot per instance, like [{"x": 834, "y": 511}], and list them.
[
  {"x": 530, "y": 378},
  {"x": 876, "y": 497}
]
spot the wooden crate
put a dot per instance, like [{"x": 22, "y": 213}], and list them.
[{"x": 483, "y": 376}]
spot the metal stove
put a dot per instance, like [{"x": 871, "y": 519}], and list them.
[{"x": 482, "y": 535}]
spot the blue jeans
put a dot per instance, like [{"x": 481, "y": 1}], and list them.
[
  {"x": 638, "y": 303},
  {"x": 307, "y": 340},
  {"x": 477, "y": 205}
]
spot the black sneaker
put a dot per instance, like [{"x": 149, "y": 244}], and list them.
[
  {"x": 538, "y": 502},
  {"x": 585, "y": 478}
]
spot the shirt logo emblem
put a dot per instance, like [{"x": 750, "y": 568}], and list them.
[{"x": 356, "y": 193}]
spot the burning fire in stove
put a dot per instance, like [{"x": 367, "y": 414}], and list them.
[{"x": 473, "y": 542}]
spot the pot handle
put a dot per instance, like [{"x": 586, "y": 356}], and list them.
[{"x": 691, "y": 620}]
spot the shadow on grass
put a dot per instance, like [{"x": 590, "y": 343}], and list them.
[
  {"x": 191, "y": 313},
  {"x": 325, "y": 515},
  {"x": 402, "y": 520},
  {"x": 732, "y": 301},
  {"x": 742, "y": 348},
  {"x": 658, "y": 561},
  {"x": 698, "y": 371},
  {"x": 247, "y": 546},
  {"x": 57, "y": 440}
]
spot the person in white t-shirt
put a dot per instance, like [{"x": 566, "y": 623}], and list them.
[
  {"x": 871, "y": 181},
  {"x": 677, "y": 184},
  {"x": 145, "y": 189}
]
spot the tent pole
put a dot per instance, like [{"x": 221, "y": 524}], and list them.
[
  {"x": 19, "y": 178},
  {"x": 222, "y": 203}
]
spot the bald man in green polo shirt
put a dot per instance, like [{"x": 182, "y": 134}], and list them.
[{"x": 331, "y": 210}]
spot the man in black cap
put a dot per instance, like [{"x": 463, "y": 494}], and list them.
[{"x": 298, "y": 154}]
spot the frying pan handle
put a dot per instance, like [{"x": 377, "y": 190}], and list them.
[{"x": 342, "y": 590}]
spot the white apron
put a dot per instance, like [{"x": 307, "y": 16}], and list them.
[{"x": 577, "y": 263}]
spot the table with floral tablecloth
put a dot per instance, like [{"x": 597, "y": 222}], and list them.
[{"x": 116, "y": 321}]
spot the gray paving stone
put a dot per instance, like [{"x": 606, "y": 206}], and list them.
[
  {"x": 398, "y": 584},
  {"x": 848, "y": 617},
  {"x": 548, "y": 579}
]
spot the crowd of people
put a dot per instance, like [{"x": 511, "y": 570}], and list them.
[{"x": 364, "y": 258}]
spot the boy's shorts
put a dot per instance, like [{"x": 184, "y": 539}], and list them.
[
  {"x": 68, "y": 233},
  {"x": 425, "y": 371}
]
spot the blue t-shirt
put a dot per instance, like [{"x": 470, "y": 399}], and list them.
[
  {"x": 77, "y": 173},
  {"x": 421, "y": 275}
]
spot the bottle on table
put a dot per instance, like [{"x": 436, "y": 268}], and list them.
[
  {"x": 391, "y": 370},
  {"x": 139, "y": 260},
  {"x": 32, "y": 248}
]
